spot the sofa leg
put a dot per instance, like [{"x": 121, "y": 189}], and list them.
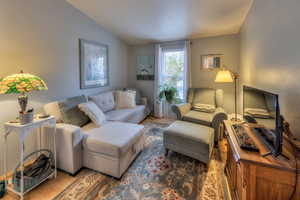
[{"x": 166, "y": 152}]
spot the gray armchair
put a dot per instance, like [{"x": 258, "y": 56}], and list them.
[{"x": 204, "y": 96}]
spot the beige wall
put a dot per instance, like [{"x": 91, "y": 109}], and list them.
[
  {"x": 270, "y": 53},
  {"x": 41, "y": 37},
  {"x": 227, "y": 45}
]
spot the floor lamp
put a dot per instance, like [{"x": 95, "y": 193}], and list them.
[{"x": 227, "y": 76}]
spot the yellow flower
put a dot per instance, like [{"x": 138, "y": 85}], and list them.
[
  {"x": 3, "y": 88},
  {"x": 21, "y": 87},
  {"x": 9, "y": 82},
  {"x": 35, "y": 83}
]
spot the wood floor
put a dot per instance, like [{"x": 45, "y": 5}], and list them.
[{"x": 47, "y": 190}]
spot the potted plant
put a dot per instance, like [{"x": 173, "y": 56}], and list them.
[{"x": 168, "y": 93}]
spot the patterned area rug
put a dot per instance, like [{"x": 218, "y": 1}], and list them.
[{"x": 153, "y": 176}]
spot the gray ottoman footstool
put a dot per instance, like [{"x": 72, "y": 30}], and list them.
[{"x": 190, "y": 139}]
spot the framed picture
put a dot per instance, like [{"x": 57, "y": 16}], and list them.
[
  {"x": 145, "y": 68},
  {"x": 211, "y": 61},
  {"x": 94, "y": 67}
]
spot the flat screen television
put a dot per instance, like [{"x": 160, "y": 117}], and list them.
[{"x": 262, "y": 107}]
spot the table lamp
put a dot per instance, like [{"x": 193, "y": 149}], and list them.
[
  {"x": 227, "y": 76},
  {"x": 22, "y": 83}
]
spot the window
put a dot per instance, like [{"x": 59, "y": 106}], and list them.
[{"x": 172, "y": 72}]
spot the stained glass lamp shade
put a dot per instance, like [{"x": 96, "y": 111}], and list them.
[{"x": 21, "y": 84}]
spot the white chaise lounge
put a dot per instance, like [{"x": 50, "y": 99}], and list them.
[{"x": 109, "y": 149}]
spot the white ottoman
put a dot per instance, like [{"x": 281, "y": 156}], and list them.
[{"x": 111, "y": 148}]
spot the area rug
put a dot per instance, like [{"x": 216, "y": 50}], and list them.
[{"x": 153, "y": 176}]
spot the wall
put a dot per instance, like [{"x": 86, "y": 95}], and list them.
[
  {"x": 146, "y": 87},
  {"x": 41, "y": 37},
  {"x": 270, "y": 55},
  {"x": 227, "y": 45}
]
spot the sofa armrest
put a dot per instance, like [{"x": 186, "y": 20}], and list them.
[
  {"x": 219, "y": 116},
  {"x": 68, "y": 133},
  {"x": 181, "y": 109},
  {"x": 68, "y": 147}
]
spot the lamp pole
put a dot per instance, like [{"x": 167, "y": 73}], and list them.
[{"x": 235, "y": 96}]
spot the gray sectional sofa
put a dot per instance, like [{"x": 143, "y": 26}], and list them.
[{"x": 109, "y": 148}]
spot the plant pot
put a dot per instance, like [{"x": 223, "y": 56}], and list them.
[{"x": 26, "y": 118}]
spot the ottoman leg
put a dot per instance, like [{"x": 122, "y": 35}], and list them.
[{"x": 167, "y": 152}]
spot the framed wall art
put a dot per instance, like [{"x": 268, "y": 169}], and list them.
[
  {"x": 94, "y": 66},
  {"x": 145, "y": 67},
  {"x": 211, "y": 61}
]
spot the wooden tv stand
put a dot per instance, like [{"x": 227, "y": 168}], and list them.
[{"x": 253, "y": 177}]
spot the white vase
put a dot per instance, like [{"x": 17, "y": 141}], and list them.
[{"x": 158, "y": 109}]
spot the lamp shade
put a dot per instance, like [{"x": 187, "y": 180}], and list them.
[
  {"x": 224, "y": 76},
  {"x": 21, "y": 83}
]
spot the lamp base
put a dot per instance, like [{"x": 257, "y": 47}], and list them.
[{"x": 23, "y": 101}]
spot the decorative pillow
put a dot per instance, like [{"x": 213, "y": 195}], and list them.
[
  {"x": 125, "y": 99},
  {"x": 204, "y": 107},
  {"x": 138, "y": 98},
  {"x": 258, "y": 113},
  {"x": 94, "y": 112},
  {"x": 71, "y": 113},
  {"x": 105, "y": 101}
]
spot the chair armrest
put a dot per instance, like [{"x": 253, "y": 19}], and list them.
[
  {"x": 181, "y": 109},
  {"x": 219, "y": 116}
]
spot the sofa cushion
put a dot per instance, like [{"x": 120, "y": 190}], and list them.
[
  {"x": 199, "y": 117},
  {"x": 54, "y": 110},
  {"x": 93, "y": 112},
  {"x": 125, "y": 99},
  {"x": 113, "y": 138},
  {"x": 105, "y": 101},
  {"x": 71, "y": 114},
  {"x": 138, "y": 97},
  {"x": 125, "y": 115}
]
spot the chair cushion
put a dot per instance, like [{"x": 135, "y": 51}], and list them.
[
  {"x": 105, "y": 101},
  {"x": 112, "y": 139},
  {"x": 204, "y": 96},
  {"x": 124, "y": 115},
  {"x": 199, "y": 117},
  {"x": 71, "y": 114}
]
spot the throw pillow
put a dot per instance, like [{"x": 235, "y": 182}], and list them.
[
  {"x": 71, "y": 114},
  {"x": 94, "y": 112},
  {"x": 204, "y": 107},
  {"x": 258, "y": 113},
  {"x": 125, "y": 99}
]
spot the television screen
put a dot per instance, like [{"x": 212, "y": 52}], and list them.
[{"x": 262, "y": 107}]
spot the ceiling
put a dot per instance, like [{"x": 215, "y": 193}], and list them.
[{"x": 144, "y": 21}]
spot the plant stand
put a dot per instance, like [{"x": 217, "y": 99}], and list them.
[{"x": 23, "y": 131}]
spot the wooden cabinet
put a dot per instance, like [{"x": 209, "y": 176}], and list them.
[{"x": 253, "y": 177}]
